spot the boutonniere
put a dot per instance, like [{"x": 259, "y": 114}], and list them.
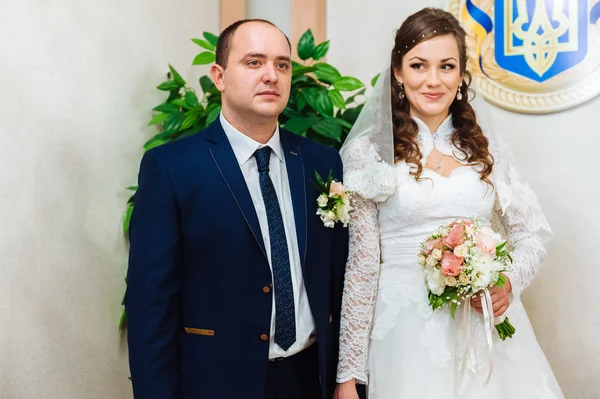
[{"x": 333, "y": 202}]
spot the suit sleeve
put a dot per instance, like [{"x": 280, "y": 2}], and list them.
[
  {"x": 154, "y": 282},
  {"x": 340, "y": 255}
]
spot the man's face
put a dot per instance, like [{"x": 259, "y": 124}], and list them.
[{"x": 255, "y": 85}]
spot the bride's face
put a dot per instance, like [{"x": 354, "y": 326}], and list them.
[{"x": 431, "y": 75}]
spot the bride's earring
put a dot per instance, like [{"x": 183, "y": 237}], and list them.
[
  {"x": 401, "y": 95},
  {"x": 458, "y": 93}
]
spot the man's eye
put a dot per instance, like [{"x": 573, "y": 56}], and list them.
[{"x": 253, "y": 63}]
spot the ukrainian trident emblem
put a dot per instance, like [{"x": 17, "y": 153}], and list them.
[{"x": 533, "y": 56}]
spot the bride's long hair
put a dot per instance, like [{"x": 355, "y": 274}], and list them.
[{"x": 467, "y": 137}]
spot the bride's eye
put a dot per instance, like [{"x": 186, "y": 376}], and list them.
[
  {"x": 417, "y": 66},
  {"x": 448, "y": 67}
]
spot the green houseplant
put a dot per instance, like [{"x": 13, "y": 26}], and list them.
[{"x": 317, "y": 107}]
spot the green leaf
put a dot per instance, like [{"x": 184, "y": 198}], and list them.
[
  {"x": 300, "y": 101},
  {"x": 176, "y": 76},
  {"x": 190, "y": 99},
  {"x": 300, "y": 125},
  {"x": 212, "y": 115},
  {"x": 351, "y": 114},
  {"x": 122, "y": 322},
  {"x": 180, "y": 102},
  {"x": 173, "y": 122},
  {"x": 374, "y": 80},
  {"x": 127, "y": 218},
  {"x": 321, "y": 50},
  {"x": 155, "y": 142},
  {"x": 337, "y": 99},
  {"x": 342, "y": 122},
  {"x": 166, "y": 107},
  {"x": 453, "y": 308},
  {"x": 190, "y": 120},
  {"x": 347, "y": 83},
  {"x": 326, "y": 72},
  {"x": 169, "y": 85},
  {"x": 158, "y": 119},
  {"x": 302, "y": 70},
  {"x": 204, "y": 58},
  {"x": 318, "y": 98},
  {"x": 205, "y": 44},
  {"x": 206, "y": 83},
  {"x": 328, "y": 128},
  {"x": 132, "y": 188},
  {"x": 351, "y": 99},
  {"x": 306, "y": 45},
  {"x": 212, "y": 39}
]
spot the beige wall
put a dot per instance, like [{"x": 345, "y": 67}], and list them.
[
  {"x": 77, "y": 81},
  {"x": 558, "y": 154}
]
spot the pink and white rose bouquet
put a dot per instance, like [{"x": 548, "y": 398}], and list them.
[{"x": 463, "y": 259}]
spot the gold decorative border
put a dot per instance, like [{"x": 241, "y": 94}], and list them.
[{"x": 532, "y": 103}]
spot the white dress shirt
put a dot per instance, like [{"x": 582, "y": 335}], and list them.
[{"x": 244, "y": 148}]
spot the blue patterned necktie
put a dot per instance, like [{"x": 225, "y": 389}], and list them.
[{"x": 285, "y": 317}]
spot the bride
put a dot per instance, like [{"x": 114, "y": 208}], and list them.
[{"x": 417, "y": 158}]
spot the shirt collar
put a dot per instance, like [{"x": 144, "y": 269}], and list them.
[
  {"x": 244, "y": 147},
  {"x": 445, "y": 129},
  {"x": 441, "y": 139}
]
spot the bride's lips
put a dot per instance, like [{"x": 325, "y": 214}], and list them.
[{"x": 433, "y": 95}]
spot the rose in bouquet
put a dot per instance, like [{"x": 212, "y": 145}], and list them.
[{"x": 463, "y": 259}]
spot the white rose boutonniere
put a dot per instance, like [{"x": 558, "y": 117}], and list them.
[{"x": 333, "y": 201}]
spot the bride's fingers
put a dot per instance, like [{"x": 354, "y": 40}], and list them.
[{"x": 501, "y": 311}]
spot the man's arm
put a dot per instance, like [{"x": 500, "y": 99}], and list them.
[{"x": 153, "y": 299}]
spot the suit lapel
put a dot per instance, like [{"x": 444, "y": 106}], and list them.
[
  {"x": 227, "y": 164},
  {"x": 297, "y": 182}
]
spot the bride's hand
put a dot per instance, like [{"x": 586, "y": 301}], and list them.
[
  {"x": 346, "y": 390},
  {"x": 500, "y": 300}
]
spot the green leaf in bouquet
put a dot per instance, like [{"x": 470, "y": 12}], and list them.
[
  {"x": 501, "y": 281},
  {"x": 176, "y": 76},
  {"x": 321, "y": 50},
  {"x": 205, "y": 44},
  {"x": 306, "y": 45},
  {"x": 211, "y": 38},
  {"x": 453, "y": 308},
  {"x": 204, "y": 58}
]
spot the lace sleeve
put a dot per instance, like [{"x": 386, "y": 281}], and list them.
[
  {"x": 360, "y": 288},
  {"x": 522, "y": 218}
]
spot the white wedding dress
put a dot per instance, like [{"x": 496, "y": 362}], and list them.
[{"x": 390, "y": 337}]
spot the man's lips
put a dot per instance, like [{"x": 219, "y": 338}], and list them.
[{"x": 269, "y": 93}]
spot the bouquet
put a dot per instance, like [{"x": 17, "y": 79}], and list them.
[
  {"x": 333, "y": 203},
  {"x": 463, "y": 259}
]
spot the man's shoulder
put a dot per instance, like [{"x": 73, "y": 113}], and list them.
[
  {"x": 191, "y": 145},
  {"x": 311, "y": 147}
]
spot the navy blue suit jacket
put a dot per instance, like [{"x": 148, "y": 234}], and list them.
[{"x": 197, "y": 304}]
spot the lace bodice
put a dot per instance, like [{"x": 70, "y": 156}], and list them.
[{"x": 394, "y": 212}]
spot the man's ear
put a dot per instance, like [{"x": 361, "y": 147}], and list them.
[{"x": 217, "y": 74}]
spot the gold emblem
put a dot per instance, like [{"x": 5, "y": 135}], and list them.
[{"x": 533, "y": 56}]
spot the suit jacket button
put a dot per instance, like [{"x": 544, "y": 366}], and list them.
[
  {"x": 264, "y": 337},
  {"x": 266, "y": 289}
]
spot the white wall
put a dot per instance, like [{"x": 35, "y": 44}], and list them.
[
  {"x": 558, "y": 155},
  {"x": 77, "y": 80}
]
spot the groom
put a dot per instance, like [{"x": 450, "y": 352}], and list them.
[{"x": 234, "y": 284}]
